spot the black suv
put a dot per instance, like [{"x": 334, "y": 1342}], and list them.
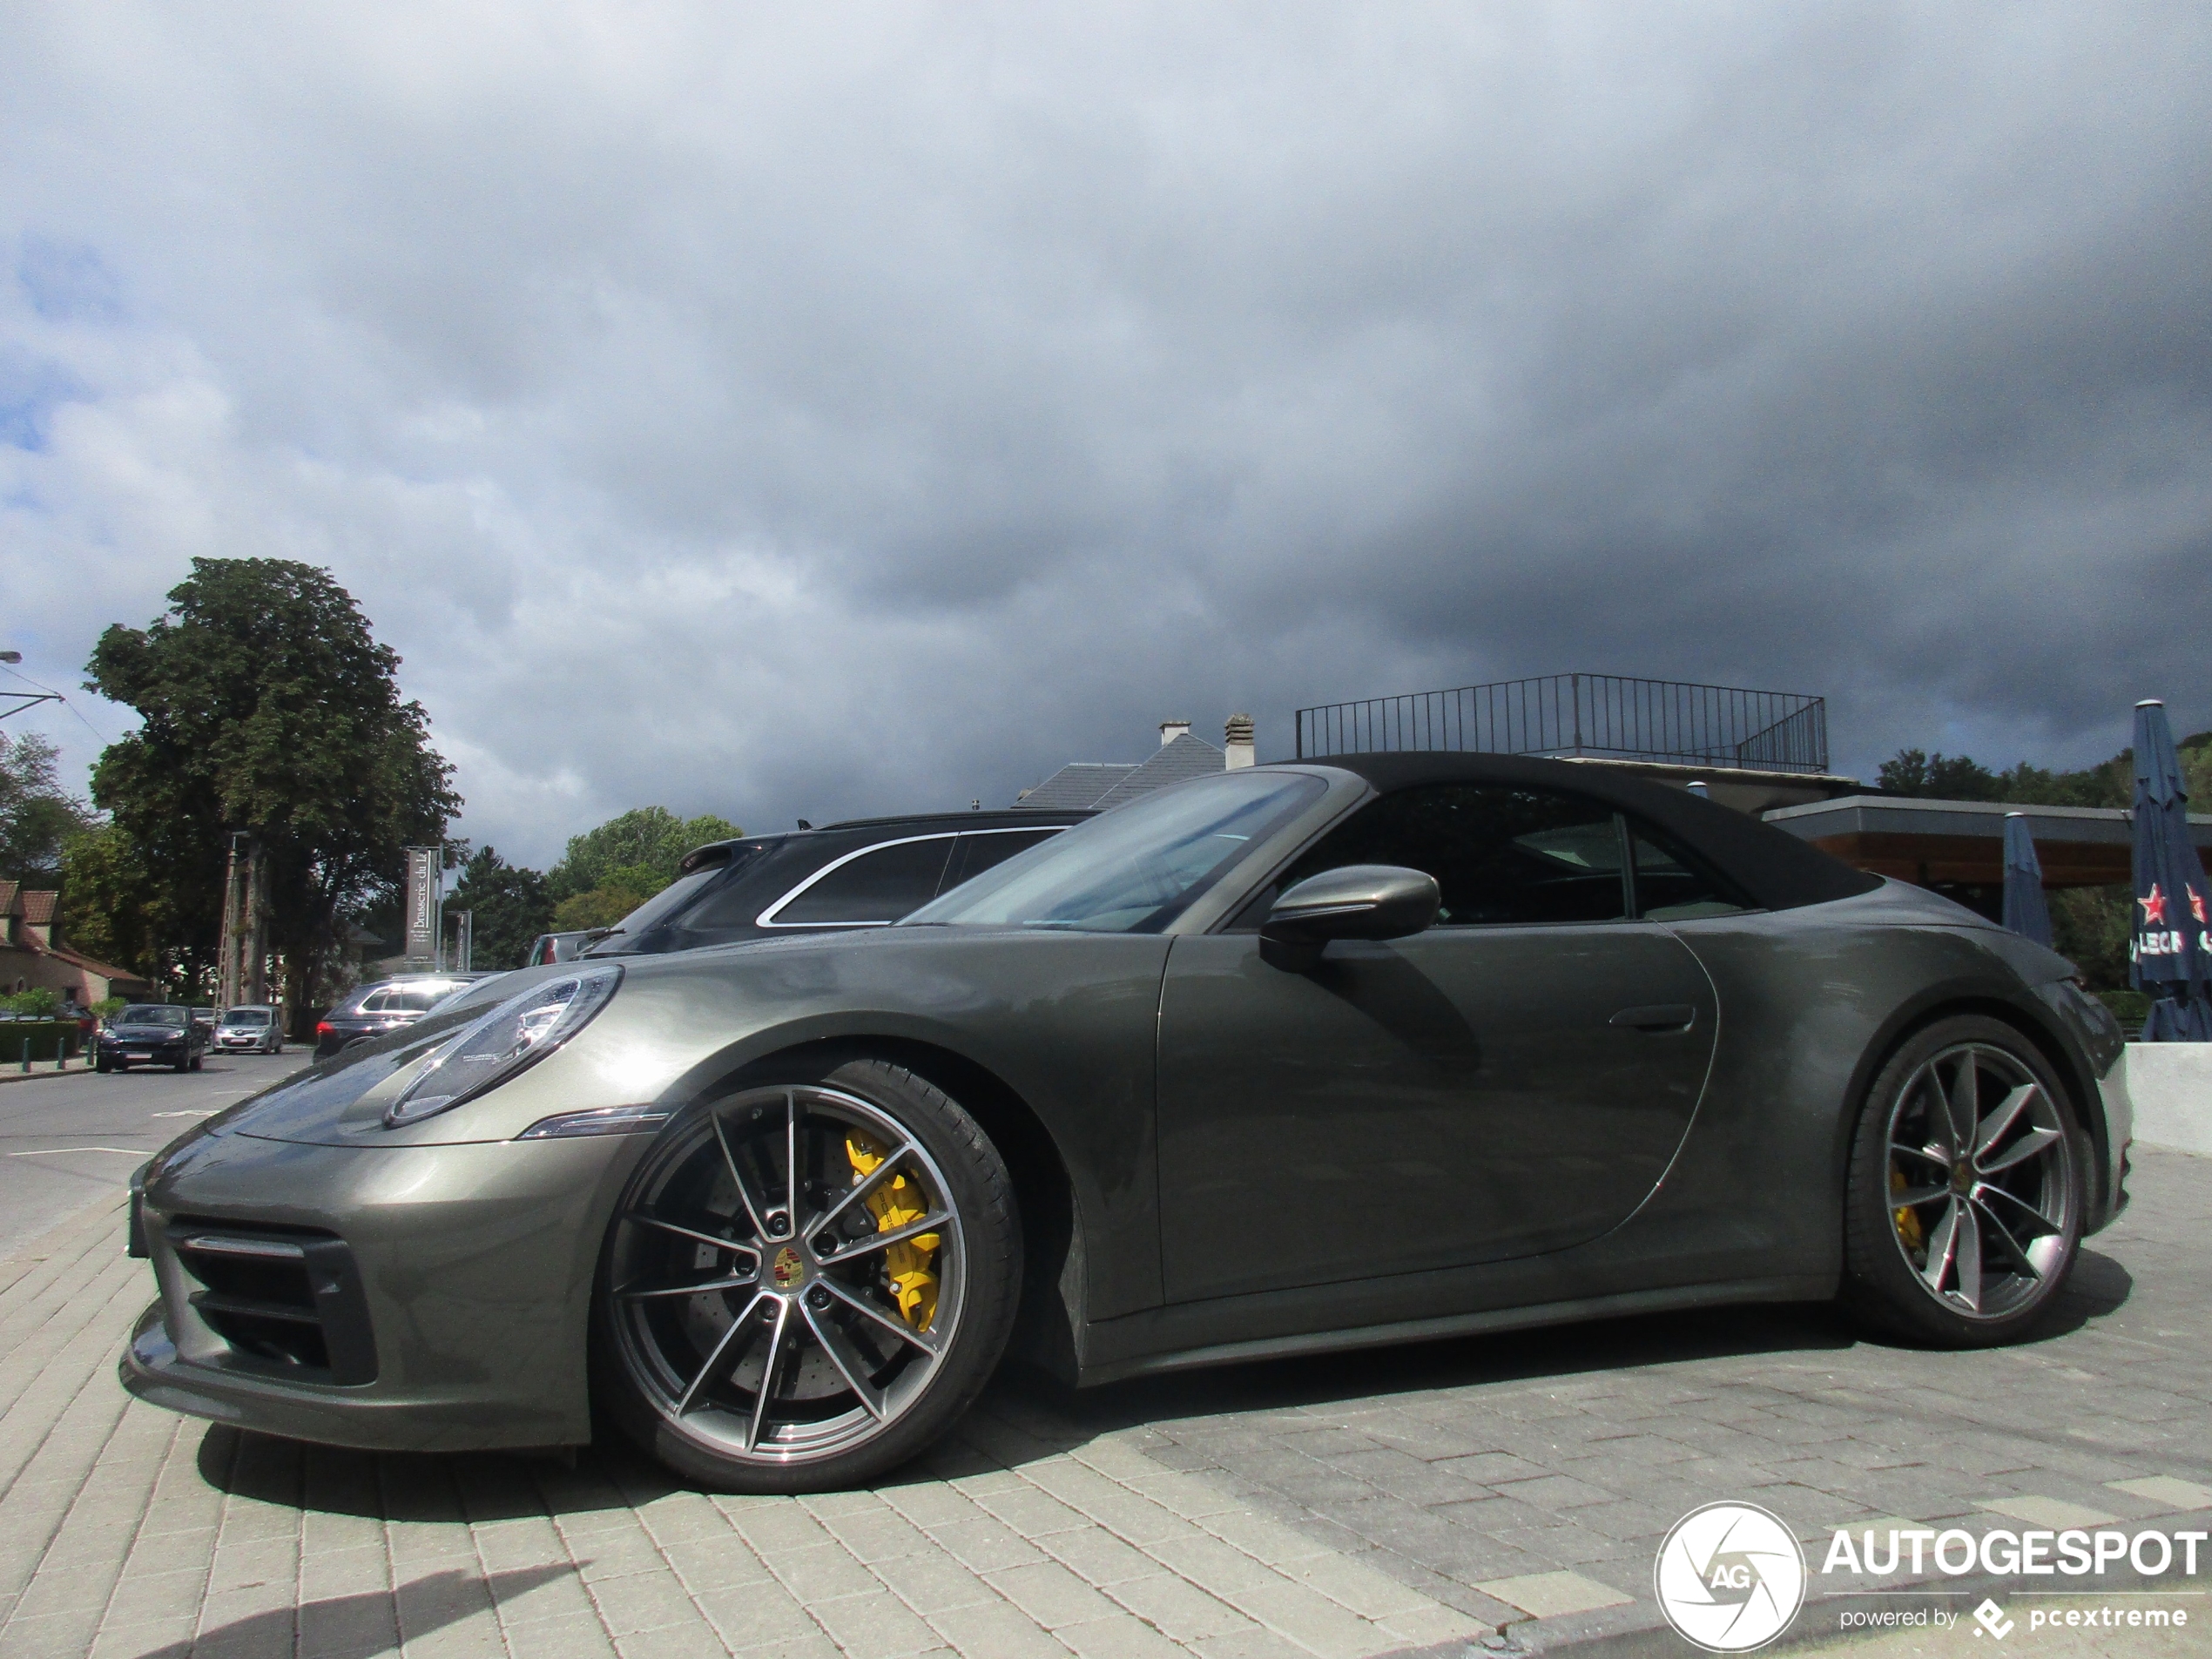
[
  {"x": 865, "y": 873},
  {"x": 151, "y": 1033},
  {"x": 386, "y": 1005}
]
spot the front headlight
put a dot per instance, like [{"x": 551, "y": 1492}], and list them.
[{"x": 518, "y": 1033}]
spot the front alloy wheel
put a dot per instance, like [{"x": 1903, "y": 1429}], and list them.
[
  {"x": 806, "y": 1281},
  {"x": 1966, "y": 1211}
]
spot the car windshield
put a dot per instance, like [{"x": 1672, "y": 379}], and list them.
[
  {"x": 1134, "y": 869},
  {"x": 150, "y": 1013},
  {"x": 247, "y": 1016}
]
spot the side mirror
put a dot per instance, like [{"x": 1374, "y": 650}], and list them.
[{"x": 1358, "y": 901}]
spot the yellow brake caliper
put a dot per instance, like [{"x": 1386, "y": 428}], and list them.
[
  {"x": 1908, "y": 1219},
  {"x": 894, "y": 1203}
]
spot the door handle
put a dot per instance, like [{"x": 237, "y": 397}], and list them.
[{"x": 1658, "y": 1017}]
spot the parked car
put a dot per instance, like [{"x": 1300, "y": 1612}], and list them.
[
  {"x": 462, "y": 991},
  {"x": 1283, "y": 1059},
  {"x": 250, "y": 1027},
  {"x": 560, "y": 947},
  {"x": 151, "y": 1033},
  {"x": 387, "y": 1005},
  {"x": 867, "y": 872},
  {"x": 204, "y": 1018}
]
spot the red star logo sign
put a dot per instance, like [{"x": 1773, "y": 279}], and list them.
[
  {"x": 2197, "y": 904},
  {"x": 2153, "y": 906}
]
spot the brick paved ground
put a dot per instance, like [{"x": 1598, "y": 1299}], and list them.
[{"x": 1343, "y": 1509}]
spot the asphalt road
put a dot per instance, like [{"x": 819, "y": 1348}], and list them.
[{"x": 67, "y": 1142}]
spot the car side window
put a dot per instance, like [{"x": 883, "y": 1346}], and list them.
[
  {"x": 378, "y": 1002},
  {"x": 1502, "y": 856},
  {"x": 879, "y": 885},
  {"x": 1669, "y": 885},
  {"x": 982, "y": 850}
]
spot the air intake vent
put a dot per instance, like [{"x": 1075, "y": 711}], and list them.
[{"x": 288, "y": 1301}]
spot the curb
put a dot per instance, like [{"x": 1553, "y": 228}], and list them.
[
  {"x": 1808, "y": 1633},
  {"x": 11, "y": 1075}
]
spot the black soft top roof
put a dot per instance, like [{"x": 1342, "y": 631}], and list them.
[{"x": 1775, "y": 869}]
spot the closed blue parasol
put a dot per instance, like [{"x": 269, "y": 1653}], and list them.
[
  {"x": 2024, "y": 910},
  {"x": 2168, "y": 953}
]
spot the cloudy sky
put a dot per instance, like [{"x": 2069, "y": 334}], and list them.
[{"x": 779, "y": 410}]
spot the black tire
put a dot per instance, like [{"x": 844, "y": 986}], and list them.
[
  {"x": 103, "y": 1063},
  {"x": 195, "y": 1062},
  {"x": 705, "y": 1424},
  {"x": 1963, "y": 1243}
]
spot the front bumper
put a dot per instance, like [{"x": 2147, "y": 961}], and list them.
[
  {"x": 473, "y": 1265},
  {"x": 143, "y": 1054}
]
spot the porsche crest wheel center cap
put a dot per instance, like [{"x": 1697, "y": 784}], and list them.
[{"x": 788, "y": 1270}]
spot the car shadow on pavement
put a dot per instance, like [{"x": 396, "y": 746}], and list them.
[
  {"x": 2099, "y": 1286},
  {"x": 361, "y": 1627},
  {"x": 1051, "y": 1418}
]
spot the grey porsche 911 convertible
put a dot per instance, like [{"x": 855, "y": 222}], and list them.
[{"x": 1287, "y": 1058}]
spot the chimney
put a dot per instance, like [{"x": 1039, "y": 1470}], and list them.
[
  {"x": 1171, "y": 730},
  {"x": 1238, "y": 751}
]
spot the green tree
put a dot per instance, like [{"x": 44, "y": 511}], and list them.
[
  {"x": 37, "y": 815},
  {"x": 1915, "y": 771},
  {"x": 610, "y": 870},
  {"x": 115, "y": 907},
  {"x": 268, "y": 708},
  {"x": 509, "y": 904},
  {"x": 645, "y": 844}
]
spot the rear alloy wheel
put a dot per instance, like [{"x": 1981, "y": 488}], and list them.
[
  {"x": 1967, "y": 1177},
  {"x": 807, "y": 1282}
]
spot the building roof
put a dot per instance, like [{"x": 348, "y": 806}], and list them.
[
  {"x": 1963, "y": 840},
  {"x": 1101, "y": 784},
  {"x": 1186, "y": 757},
  {"x": 90, "y": 964},
  {"x": 38, "y": 906},
  {"x": 1917, "y": 815},
  {"x": 1078, "y": 785},
  {"x": 7, "y": 898}
]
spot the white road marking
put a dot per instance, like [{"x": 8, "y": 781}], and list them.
[
  {"x": 210, "y": 1112},
  {"x": 56, "y": 1151}
]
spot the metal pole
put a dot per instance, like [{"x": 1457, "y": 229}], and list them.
[{"x": 226, "y": 957}]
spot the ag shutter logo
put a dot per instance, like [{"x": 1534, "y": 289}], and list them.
[{"x": 1730, "y": 1577}]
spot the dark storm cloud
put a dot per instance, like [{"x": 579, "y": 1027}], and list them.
[{"x": 861, "y": 409}]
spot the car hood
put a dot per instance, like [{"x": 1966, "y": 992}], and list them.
[
  {"x": 680, "y": 1022},
  {"x": 145, "y": 1033}
]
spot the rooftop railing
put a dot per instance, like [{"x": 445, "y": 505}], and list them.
[{"x": 1598, "y": 716}]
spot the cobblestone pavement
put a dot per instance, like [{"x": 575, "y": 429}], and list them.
[{"x": 1363, "y": 1505}]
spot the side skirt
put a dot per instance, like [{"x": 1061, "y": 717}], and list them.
[{"x": 1783, "y": 1288}]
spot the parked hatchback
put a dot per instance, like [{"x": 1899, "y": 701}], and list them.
[
  {"x": 249, "y": 1029},
  {"x": 385, "y": 1006},
  {"x": 865, "y": 873}
]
